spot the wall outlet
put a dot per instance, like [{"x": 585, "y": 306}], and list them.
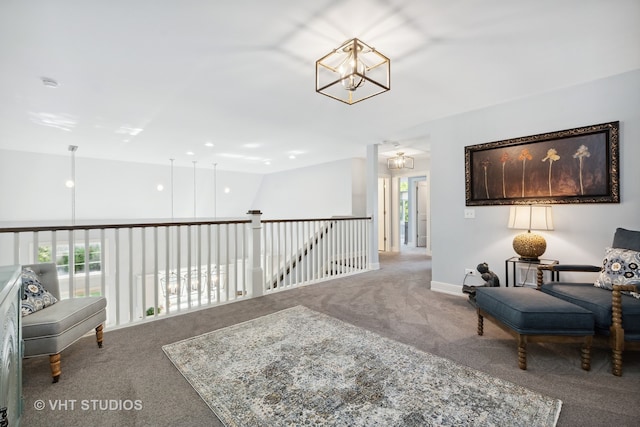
[{"x": 469, "y": 271}]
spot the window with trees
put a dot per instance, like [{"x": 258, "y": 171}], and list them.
[{"x": 83, "y": 257}]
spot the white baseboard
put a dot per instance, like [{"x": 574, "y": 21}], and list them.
[{"x": 447, "y": 288}]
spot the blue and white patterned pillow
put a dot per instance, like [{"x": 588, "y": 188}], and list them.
[
  {"x": 34, "y": 296},
  {"x": 619, "y": 267}
]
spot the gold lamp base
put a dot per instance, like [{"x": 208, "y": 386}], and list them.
[{"x": 529, "y": 246}]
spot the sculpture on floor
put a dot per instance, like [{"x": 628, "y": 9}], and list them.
[{"x": 490, "y": 280}]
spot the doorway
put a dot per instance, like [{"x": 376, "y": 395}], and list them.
[{"x": 413, "y": 214}]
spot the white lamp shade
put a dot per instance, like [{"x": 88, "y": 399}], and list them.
[{"x": 528, "y": 217}]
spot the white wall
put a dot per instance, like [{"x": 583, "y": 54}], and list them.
[
  {"x": 109, "y": 190},
  {"x": 32, "y": 188},
  {"x": 359, "y": 187},
  {"x": 318, "y": 191},
  {"x": 581, "y": 231}
]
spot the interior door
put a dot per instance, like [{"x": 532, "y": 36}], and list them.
[{"x": 422, "y": 196}]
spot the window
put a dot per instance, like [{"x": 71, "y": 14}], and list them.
[{"x": 80, "y": 261}]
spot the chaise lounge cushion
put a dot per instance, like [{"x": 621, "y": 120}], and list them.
[
  {"x": 599, "y": 302},
  {"x": 530, "y": 312}
]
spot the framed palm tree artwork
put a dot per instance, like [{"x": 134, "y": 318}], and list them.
[{"x": 579, "y": 165}]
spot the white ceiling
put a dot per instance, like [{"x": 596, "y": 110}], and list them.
[{"x": 149, "y": 80}]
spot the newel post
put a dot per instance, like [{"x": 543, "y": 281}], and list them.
[{"x": 254, "y": 270}]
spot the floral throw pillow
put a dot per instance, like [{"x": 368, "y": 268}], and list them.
[
  {"x": 34, "y": 296},
  {"x": 619, "y": 267}
]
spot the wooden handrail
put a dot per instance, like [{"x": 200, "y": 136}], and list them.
[
  {"x": 61, "y": 227},
  {"x": 119, "y": 225},
  {"x": 335, "y": 218}
]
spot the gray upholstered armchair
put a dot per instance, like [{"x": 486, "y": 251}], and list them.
[{"x": 51, "y": 330}]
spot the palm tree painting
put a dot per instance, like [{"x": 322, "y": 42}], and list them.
[
  {"x": 552, "y": 156},
  {"x": 524, "y": 156},
  {"x": 503, "y": 159},
  {"x": 571, "y": 166},
  {"x": 582, "y": 152},
  {"x": 485, "y": 164}
]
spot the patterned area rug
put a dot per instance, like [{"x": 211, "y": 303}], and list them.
[{"x": 301, "y": 367}]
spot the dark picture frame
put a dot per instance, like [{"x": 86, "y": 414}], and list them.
[{"x": 579, "y": 165}]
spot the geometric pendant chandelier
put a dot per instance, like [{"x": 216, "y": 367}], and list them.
[
  {"x": 353, "y": 72},
  {"x": 400, "y": 162}
]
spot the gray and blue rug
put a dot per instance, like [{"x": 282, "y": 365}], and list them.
[{"x": 304, "y": 368}]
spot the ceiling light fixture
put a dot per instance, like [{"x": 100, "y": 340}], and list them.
[
  {"x": 353, "y": 72},
  {"x": 400, "y": 162}
]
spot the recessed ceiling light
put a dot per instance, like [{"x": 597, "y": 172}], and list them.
[
  {"x": 227, "y": 190},
  {"x": 190, "y": 153},
  {"x": 49, "y": 82},
  {"x": 291, "y": 156},
  {"x": 209, "y": 144},
  {"x": 160, "y": 187},
  {"x": 267, "y": 162}
]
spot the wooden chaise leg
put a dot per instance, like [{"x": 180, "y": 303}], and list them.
[
  {"x": 480, "y": 323},
  {"x": 522, "y": 352},
  {"x": 585, "y": 355},
  {"x": 54, "y": 362},
  {"x": 99, "y": 335}
]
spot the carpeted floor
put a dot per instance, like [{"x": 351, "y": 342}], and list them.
[{"x": 130, "y": 382}]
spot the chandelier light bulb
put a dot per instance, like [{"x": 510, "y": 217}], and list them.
[{"x": 348, "y": 69}]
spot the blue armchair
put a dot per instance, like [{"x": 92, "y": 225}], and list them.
[{"x": 616, "y": 311}]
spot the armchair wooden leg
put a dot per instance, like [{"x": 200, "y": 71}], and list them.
[
  {"x": 617, "y": 363},
  {"x": 616, "y": 333},
  {"x": 99, "y": 335},
  {"x": 54, "y": 362}
]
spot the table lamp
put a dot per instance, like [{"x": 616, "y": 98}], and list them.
[{"x": 530, "y": 246}]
